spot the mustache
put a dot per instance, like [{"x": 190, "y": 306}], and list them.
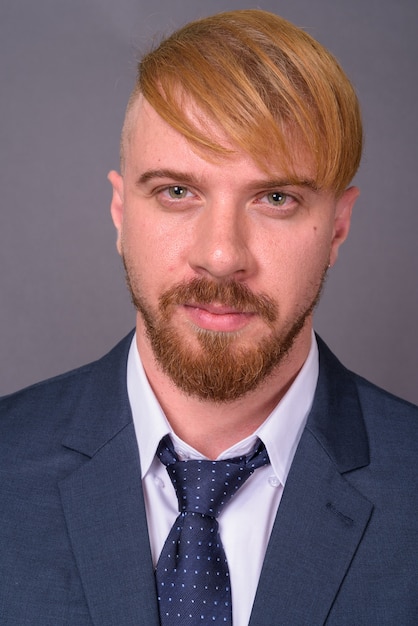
[{"x": 229, "y": 293}]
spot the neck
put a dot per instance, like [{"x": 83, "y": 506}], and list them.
[{"x": 212, "y": 427}]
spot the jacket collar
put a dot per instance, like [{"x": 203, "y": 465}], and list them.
[
  {"x": 101, "y": 409},
  {"x": 336, "y": 419}
]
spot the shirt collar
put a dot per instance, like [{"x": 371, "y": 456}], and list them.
[{"x": 280, "y": 432}]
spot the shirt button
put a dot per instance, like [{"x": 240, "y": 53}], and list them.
[
  {"x": 274, "y": 481},
  {"x": 159, "y": 482}
]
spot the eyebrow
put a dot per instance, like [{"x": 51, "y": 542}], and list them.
[
  {"x": 165, "y": 173},
  {"x": 307, "y": 183},
  {"x": 184, "y": 177}
]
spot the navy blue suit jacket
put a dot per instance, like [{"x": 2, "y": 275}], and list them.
[{"x": 73, "y": 534}]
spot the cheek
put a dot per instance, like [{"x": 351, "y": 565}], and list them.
[
  {"x": 153, "y": 250},
  {"x": 304, "y": 248},
  {"x": 295, "y": 263},
  {"x": 316, "y": 244},
  {"x": 315, "y": 250}
]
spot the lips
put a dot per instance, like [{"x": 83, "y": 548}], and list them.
[
  {"x": 218, "y": 299},
  {"x": 217, "y": 317},
  {"x": 216, "y": 308}
]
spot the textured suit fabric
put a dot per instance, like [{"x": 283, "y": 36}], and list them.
[{"x": 73, "y": 535}]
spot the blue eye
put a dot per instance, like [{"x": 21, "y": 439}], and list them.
[
  {"x": 277, "y": 198},
  {"x": 177, "y": 192}
]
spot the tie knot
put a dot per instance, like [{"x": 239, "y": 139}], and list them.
[{"x": 203, "y": 486}]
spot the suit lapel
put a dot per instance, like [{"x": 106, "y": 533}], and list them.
[
  {"x": 103, "y": 501},
  {"x": 322, "y": 517},
  {"x": 105, "y": 514},
  {"x": 319, "y": 525}
]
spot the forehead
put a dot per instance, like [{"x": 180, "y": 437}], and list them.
[{"x": 150, "y": 141}]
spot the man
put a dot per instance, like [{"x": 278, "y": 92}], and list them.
[{"x": 240, "y": 141}]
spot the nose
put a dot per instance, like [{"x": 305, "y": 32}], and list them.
[{"x": 220, "y": 245}]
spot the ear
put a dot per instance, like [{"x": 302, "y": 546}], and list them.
[
  {"x": 116, "y": 206},
  {"x": 342, "y": 220}
]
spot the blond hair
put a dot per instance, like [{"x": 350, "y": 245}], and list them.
[{"x": 267, "y": 84}]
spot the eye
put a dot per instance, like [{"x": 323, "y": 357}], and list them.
[
  {"x": 177, "y": 192},
  {"x": 278, "y": 204},
  {"x": 277, "y": 198},
  {"x": 176, "y": 197}
]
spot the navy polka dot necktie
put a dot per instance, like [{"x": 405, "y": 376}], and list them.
[{"x": 192, "y": 572}]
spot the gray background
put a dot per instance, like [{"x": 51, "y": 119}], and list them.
[{"x": 66, "y": 69}]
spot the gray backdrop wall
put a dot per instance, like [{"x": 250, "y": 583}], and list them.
[{"x": 66, "y": 69}]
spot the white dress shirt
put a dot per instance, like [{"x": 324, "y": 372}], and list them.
[{"x": 246, "y": 522}]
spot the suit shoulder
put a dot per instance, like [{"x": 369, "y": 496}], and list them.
[
  {"x": 391, "y": 424},
  {"x": 362, "y": 416},
  {"x": 338, "y": 381},
  {"x": 45, "y": 388},
  {"x": 50, "y": 402},
  {"x": 379, "y": 400}
]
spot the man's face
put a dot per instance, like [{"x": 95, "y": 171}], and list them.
[{"x": 224, "y": 262}]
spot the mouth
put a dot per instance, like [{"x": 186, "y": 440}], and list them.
[{"x": 217, "y": 317}]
